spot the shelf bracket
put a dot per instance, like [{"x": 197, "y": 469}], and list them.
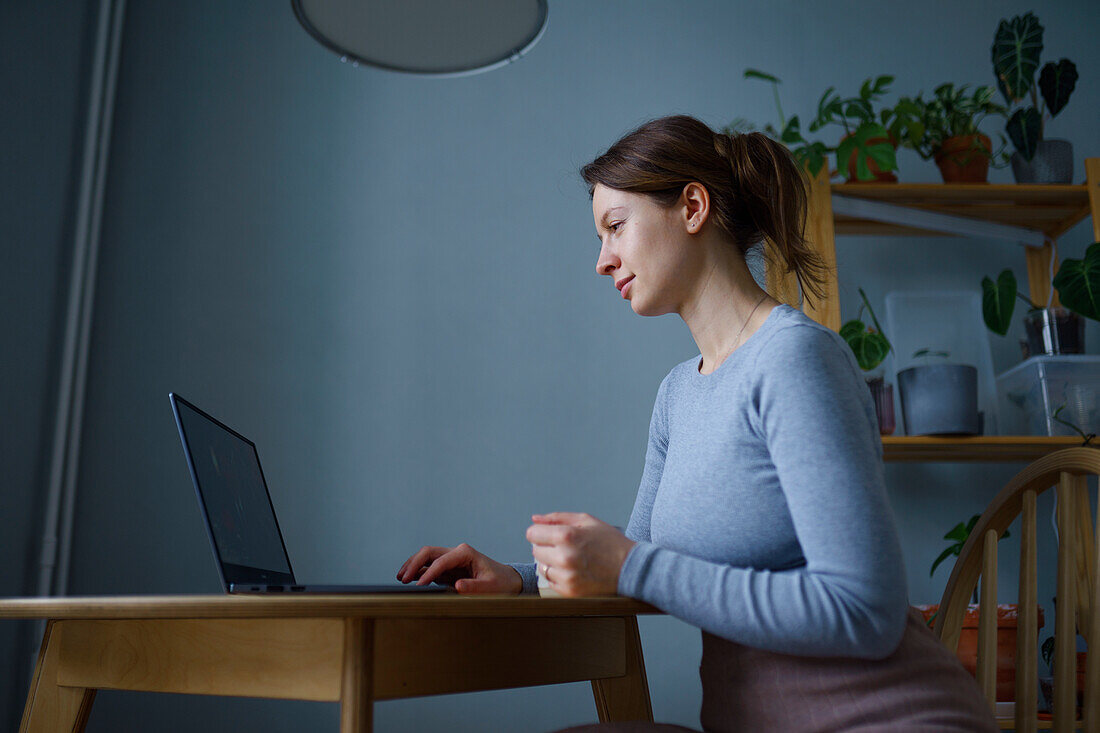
[{"x": 934, "y": 221}]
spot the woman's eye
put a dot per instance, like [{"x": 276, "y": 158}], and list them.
[{"x": 616, "y": 224}]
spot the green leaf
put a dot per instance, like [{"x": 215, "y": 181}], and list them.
[
  {"x": 757, "y": 74},
  {"x": 852, "y": 329},
  {"x": 884, "y": 156},
  {"x": 1023, "y": 128},
  {"x": 1078, "y": 283},
  {"x": 960, "y": 532},
  {"x": 943, "y": 556},
  {"x": 1056, "y": 82},
  {"x": 1047, "y": 650},
  {"x": 1017, "y": 45},
  {"x": 791, "y": 133},
  {"x": 869, "y": 347},
  {"x": 998, "y": 301}
]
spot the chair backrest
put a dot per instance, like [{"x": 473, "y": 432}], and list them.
[{"x": 1078, "y": 607}]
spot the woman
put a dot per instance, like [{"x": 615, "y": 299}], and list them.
[{"x": 762, "y": 515}]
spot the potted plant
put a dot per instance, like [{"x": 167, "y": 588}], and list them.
[
  {"x": 939, "y": 399},
  {"x": 870, "y": 347},
  {"x": 945, "y": 128},
  {"x": 1007, "y": 616},
  {"x": 812, "y": 155},
  {"x": 867, "y": 151},
  {"x": 1016, "y": 48},
  {"x": 1050, "y": 330}
]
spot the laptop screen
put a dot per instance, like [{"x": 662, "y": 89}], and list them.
[{"x": 234, "y": 497}]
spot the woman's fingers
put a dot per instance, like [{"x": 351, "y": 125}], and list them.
[
  {"x": 560, "y": 518},
  {"x": 478, "y": 585},
  {"x": 422, "y": 557},
  {"x": 551, "y": 534},
  {"x": 458, "y": 557},
  {"x": 550, "y": 556}
]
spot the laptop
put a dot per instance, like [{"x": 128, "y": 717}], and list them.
[{"x": 240, "y": 519}]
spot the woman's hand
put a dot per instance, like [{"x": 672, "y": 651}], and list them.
[
  {"x": 462, "y": 567},
  {"x": 580, "y": 555}
]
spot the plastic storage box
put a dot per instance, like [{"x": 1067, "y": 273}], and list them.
[{"x": 1030, "y": 392}]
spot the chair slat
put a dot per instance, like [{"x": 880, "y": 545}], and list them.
[
  {"x": 987, "y": 621},
  {"x": 1092, "y": 671},
  {"x": 1027, "y": 627},
  {"x": 1065, "y": 630},
  {"x": 1085, "y": 555}
]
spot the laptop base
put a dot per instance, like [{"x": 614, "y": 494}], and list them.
[{"x": 338, "y": 589}]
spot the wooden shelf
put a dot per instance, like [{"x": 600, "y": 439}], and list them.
[
  {"x": 979, "y": 448},
  {"x": 1051, "y": 208}
]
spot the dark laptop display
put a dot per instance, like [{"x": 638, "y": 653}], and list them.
[{"x": 240, "y": 518}]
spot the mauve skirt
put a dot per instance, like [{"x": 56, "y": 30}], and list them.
[{"x": 920, "y": 687}]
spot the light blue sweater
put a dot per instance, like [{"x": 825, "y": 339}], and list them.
[{"x": 762, "y": 514}]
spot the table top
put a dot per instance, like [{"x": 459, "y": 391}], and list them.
[{"x": 318, "y": 606}]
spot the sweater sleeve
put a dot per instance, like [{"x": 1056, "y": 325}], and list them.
[
  {"x": 526, "y": 571},
  {"x": 812, "y": 408}
]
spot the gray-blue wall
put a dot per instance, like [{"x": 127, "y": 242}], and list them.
[
  {"x": 43, "y": 57},
  {"x": 388, "y": 283}
]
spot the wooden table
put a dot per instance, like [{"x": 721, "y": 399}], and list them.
[{"x": 347, "y": 649}]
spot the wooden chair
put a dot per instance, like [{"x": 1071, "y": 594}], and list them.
[{"x": 1078, "y": 607}]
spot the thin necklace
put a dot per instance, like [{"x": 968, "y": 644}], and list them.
[{"x": 738, "y": 338}]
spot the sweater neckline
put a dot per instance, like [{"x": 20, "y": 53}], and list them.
[{"x": 736, "y": 354}]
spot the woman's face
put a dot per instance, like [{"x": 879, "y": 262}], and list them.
[{"x": 647, "y": 246}]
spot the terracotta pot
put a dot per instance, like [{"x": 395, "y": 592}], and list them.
[
  {"x": 880, "y": 176},
  {"x": 962, "y": 160},
  {"x": 967, "y": 652}
]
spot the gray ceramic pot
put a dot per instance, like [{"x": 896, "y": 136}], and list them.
[
  {"x": 1052, "y": 163},
  {"x": 940, "y": 399}
]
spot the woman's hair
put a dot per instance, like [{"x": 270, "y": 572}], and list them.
[{"x": 757, "y": 189}]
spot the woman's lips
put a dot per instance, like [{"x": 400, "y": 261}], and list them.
[{"x": 626, "y": 287}]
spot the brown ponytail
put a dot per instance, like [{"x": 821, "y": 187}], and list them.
[{"x": 757, "y": 189}]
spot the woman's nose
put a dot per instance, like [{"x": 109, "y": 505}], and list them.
[{"x": 606, "y": 263}]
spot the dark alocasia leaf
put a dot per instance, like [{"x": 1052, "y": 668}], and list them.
[
  {"x": 1078, "y": 283},
  {"x": 1056, "y": 82},
  {"x": 1023, "y": 128},
  {"x": 869, "y": 347},
  {"x": 1016, "y": 48},
  {"x": 998, "y": 301}
]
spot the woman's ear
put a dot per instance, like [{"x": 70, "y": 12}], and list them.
[{"x": 695, "y": 205}]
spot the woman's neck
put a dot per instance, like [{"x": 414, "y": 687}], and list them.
[{"x": 727, "y": 308}]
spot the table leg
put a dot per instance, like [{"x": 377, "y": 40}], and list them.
[
  {"x": 50, "y": 707},
  {"x": 627, "y": 697},
  {"x": 357, "y": 685}
]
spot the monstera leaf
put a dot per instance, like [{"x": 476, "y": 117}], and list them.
[
  {"x": 1078, "y": 283},
  {"x": 998, "y": 301},
  {"x": 1024, "y": 128},
  {"x": 881, "y": 151},
  {"x": 1056, "y": 82},
  {"x": 1016, "y": 48}
]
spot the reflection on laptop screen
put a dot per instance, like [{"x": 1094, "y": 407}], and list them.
[{"x": 242, "y": 521}]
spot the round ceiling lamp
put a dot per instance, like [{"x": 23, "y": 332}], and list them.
[{"x": 425, "y": 37}]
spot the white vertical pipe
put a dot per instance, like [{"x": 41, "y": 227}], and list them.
[
  {"x": 72, "y": 462},
  {"x": 66, "y": 434}
]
